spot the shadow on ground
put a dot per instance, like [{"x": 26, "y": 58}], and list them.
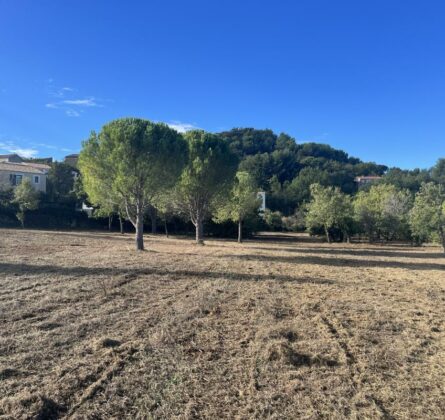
[
  {"x": 131, "y": 274},
  {"x": 338, "y": 262}
]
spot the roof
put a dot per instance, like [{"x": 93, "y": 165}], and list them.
[
  {"x": 10, "y": 155},
  {"x": 74, "y": 155},
  {"x": 41, "y": 166},
  {"x": 22, "y": 167}
]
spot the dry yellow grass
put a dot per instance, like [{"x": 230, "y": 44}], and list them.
[{"x": 265, "y": 329}]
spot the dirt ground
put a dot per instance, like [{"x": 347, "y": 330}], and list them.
[{"x": 279, "y": 327}]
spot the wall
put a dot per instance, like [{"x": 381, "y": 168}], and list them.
[{"x": 4, "y": 179}]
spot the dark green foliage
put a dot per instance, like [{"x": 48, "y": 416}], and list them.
[
  {"x": 407, "y": 179},
  {"x": 438, "y": 172},
  {"x": 60, "y": 182},
  {"x": 269, "y": 159},
  {"x": 129, "y": 164},
  {"x": 207, "y": 178},
  {"x": 249, "y": 141}
]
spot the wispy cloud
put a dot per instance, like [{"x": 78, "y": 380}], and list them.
[
  {"x": 181, "y": 127},
  {"x": 11, "y": 147},
  {"x": 88, "y": 102},
  {"x": 65, "y": 99},
  {"x": 51, "y": 147},
  {"x": 72, "y": 113}
]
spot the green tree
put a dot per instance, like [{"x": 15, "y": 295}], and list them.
[
  {"x": 60, "y": 181},
  {"x": 298, "y": 191},
  {"x": 129, "y": 163},
  {"x": 382, "y": 212},
  {"x": 329, "y": 208},
  {"x": 273, "y": 219},
  {"x": 242, "y": 203},
  {"x": 438, "y": 172},
  {"x": 26, "y": 199},
  {"x": 206, "y": 178},
  {"x": 427, "y": 217}
]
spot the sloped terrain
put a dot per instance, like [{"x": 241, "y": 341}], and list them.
[{"x": 281, "y": 327}]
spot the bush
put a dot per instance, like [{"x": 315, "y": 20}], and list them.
[{"x": 273, "y": 220}]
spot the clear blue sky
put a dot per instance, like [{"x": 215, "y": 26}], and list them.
[{"x": 364, "y": 76}]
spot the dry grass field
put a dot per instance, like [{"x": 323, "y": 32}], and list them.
[{"x": 275, "y": 328}]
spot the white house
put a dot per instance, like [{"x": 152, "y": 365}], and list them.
[{"x": 13, "y": 170}]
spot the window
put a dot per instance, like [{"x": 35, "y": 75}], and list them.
[
  {"x": 36, "y": 179},
  {"x": 15, "y": 179}
]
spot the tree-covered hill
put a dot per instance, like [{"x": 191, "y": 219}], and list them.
[{"x": 286, "y": 169}]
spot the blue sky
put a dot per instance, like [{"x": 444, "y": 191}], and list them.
[{"x": 364, "y": 76}]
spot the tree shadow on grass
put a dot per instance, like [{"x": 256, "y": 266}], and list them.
[
  {"x": 130, "y": 274},
  {"x": 339, "y": 262},
  {"x": 361, "y": 252}
]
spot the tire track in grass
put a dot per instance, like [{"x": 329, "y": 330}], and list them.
[
  {"x": 338, "y": 332},
  {"x": 119, "y": 359}
]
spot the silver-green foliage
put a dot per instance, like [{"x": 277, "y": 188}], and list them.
[
  {"x": 427, "y": 217},
  {"x": 329, "y": 208},
  {"x": 26, "y": 199},
  {"x": 382, "y": 212}
]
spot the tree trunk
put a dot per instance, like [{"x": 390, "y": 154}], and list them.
[
  {"x": 110, "y": 221},
  {"x": 442, "y": 237},
  {"x": 140, "y": 231},
  {"x": 154, "y": 226},
  {"x": 240, "y": 231},
  {"x": 166, "y": 228},
  {"x": 199, "y": 231},
  {"x": 328, "y": 237},
  {"x": 121, "y": 224}
]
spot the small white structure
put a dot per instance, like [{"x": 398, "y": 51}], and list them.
[
  {"x": 87, "y": 209},
  {"x": 364, "y": 180},
  {"x": 262, "y": 196}
]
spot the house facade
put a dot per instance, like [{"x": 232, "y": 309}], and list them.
[
  {"x": 13, "y": 170},
  {"x": 365, "y": 180}
]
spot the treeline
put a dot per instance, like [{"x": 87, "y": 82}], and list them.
[
  {"x": 382, "y": 212},
  {"x": 136, "y": 171}
]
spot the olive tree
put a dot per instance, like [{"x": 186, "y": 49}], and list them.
[
  {"x": 382, "y": 212},
  {"x": 129, "y": 163},
  {"x": 242, "y": 202},
  {"x": 427, "y": 217},
  {"x": 329, "y": 208},
  {"x": 26, "y": 198},
  {"x": 207, "y": 177}
]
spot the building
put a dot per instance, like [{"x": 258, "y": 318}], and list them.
[
  {"x": 13, "y": 170},
  {"x": 72, "y": 160},
  {"x": 365, "y": 180},
  {"x": 262, "y": 199}
]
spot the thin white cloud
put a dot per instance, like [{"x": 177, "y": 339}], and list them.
[
  {"x": 88, "y": 102},
  {"x": 65, "y": 99},
  {"x": 52, "y": 147},
  {"x": 181, "y": 127},
  {"x": 72, "y": 113}
]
